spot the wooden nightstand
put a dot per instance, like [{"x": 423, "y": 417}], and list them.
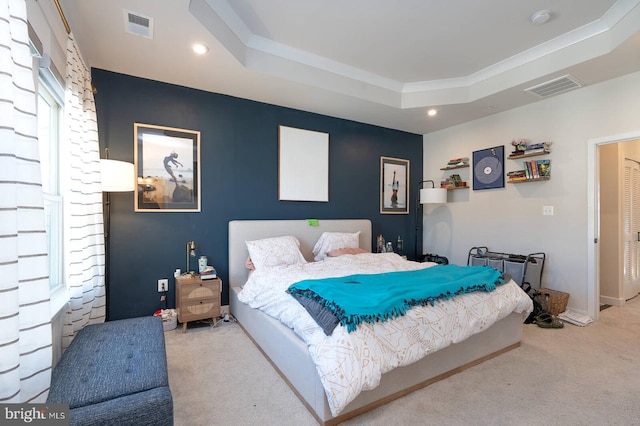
[{"x": 197, "y": 299}]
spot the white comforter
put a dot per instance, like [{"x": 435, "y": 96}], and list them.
[{"x": 349, "y": 363}]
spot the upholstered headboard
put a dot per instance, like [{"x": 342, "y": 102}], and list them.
[{"x": 248, "y": 230}]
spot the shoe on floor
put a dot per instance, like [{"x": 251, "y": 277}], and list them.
[
  {"x": 548, "y": 321},
  {"x": 543, "y": 317}
]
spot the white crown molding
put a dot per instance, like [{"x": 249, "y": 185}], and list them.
[
  {"x": 611, "y": 20},
  {"x": 280, "y": 50},
  {"x": 260, "y": 54}
]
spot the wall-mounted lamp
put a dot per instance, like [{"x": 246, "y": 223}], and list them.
[
  {"x": 431, "y": 195},
  {"x": 191, "y": 252}
]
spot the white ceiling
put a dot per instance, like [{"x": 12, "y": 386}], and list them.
[{"x": 375, "y": 61}]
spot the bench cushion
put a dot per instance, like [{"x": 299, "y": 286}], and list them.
[{"x": 111, "y": 360}]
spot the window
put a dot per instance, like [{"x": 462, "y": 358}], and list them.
[{"x": 49, "y": 119}]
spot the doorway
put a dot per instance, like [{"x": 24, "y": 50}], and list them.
[
  {"x": 593, "y": 217},
  {"x": 631, "y": 223}
]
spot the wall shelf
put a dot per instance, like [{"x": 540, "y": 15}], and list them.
[
  {"x": 533, "y": 154},
  {"x": 529, "y": 180},
  {"x": 462, "y": 166},
  {"x": 534, "y": 170}
]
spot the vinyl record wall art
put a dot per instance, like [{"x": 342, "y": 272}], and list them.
[{"x": 488, "y": 168}]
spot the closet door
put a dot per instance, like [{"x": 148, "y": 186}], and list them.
[{"x": 631, "y": 227}]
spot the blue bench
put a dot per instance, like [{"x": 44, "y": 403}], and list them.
[{"x": 115, "y": 373}]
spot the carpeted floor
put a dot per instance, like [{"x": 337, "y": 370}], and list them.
[{"x": 571, "y": 376}]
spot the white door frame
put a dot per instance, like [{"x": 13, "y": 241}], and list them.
[{"x": 593, "y": 218}]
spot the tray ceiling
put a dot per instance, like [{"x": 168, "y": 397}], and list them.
[{"x": 373, "y": 61}]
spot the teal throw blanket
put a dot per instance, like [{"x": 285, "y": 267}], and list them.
[{"x": 378, "y": 297}]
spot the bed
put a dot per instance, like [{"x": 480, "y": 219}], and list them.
[{"x": 290, "y": 355}]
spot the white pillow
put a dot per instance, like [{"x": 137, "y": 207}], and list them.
[
  {"x": 335, "y": 240},
  {"x": 276, "y": 251}
]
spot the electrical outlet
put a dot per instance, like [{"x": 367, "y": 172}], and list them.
[
  {"x": 547, "y": 210},
  {"x": 163, "y": 285}
]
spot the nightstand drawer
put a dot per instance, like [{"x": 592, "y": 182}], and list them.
[
  {"x": 210, "y": 287},
  {"x": 198, "y": 308}
]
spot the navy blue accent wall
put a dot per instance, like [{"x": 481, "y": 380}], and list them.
[{"x": 239, "y": 158}]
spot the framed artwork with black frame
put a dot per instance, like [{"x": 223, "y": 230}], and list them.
[
  {"x": 488, "y": 168},
  {"x": 167, "y": 163},
  {"x": 394, "y": 185}
]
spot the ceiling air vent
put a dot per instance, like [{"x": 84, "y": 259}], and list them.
[
  {"x": 555, "y": 86},
  {"x": 138, "y": 24}
]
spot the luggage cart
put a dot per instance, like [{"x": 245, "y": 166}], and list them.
[{"x": 526, "y": 270}]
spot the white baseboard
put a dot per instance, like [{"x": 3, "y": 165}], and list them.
[{"x": 605, "y": 300}]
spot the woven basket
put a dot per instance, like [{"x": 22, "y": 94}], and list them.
[{"x": 557, "y": 300}]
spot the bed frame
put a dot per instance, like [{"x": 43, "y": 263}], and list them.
[{"x": 289, "y": 355}]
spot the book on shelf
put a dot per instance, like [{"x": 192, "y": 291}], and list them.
[
  {"x": 529, "y": 152},
  {"x": 537, "y": 169},
  {"x": 544, "y": 168},
  {"x": 538, "y": 148},
  {"x": 462, "y": 161},
  {"x": 449, "y": 183},
  {"x": 517, "y": 173}
]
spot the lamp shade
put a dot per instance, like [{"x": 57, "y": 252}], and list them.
[
  {"x": 433, "y": 195},
  {"x": 116, "y": 176}
]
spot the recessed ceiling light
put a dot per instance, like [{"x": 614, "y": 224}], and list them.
[
  {"x": 200, "y": 49},
  {"x": 541, "y": 17},
  {"x": 432, "y": 112}
]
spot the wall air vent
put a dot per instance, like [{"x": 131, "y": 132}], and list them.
[
  {"x": 555, "y": 86},
  {"x": 138, "y": 24}
]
